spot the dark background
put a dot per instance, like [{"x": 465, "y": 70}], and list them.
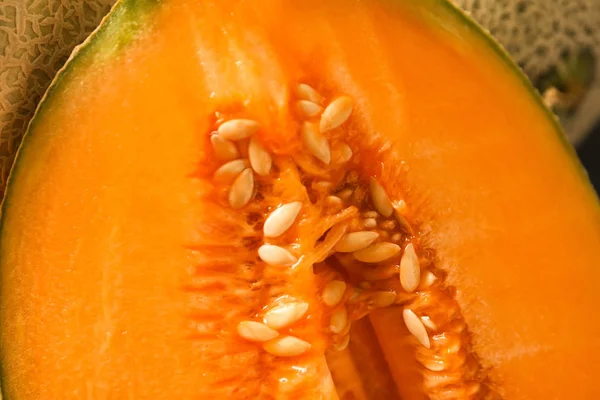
[{"x": 589, "y": 152}]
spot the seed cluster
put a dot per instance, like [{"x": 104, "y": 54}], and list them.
[{"x": 369, "y": 258}]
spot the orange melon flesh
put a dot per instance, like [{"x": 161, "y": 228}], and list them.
[{"x": 103, "y": 208}]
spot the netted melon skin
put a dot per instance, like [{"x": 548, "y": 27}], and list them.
[
  {"x": 541, "y": 36},
  {"x": 36, "y": 38}
]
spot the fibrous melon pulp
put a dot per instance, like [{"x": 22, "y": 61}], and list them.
[{"x": 296, "y": 200}]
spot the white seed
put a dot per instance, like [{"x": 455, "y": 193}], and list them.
[
  {"x": 370, "y": 214},
  {"x": 260, "y": 159},
  {"x": 410, "y": 270},
  {"x": 343, "y": 343},
  {"x": 308, "y": 109},
  {"x": 429, "y": 279},
  {"x": 355, "y": 241},
  {"x": 380, "y": 198},
  {"x": 333, "y": 293},
  {"x": 370, "y": 223},
  {"x": 434, "y": 365},
  {"x": 345, "y": 194},
  {"x": 377, "y": 252},
  {"x": 238, "y": 129},
  {"x": 224, "y": 149},
  {"x": 287, "y": 346},
  {"x": 307, "y": 92},
  {"x": 343, "y": 154},
  {"x": 241, "y": 189},
  {"x": 336, "y": 113},
  {"x": 416, "y": 327},
  {"x": 275, "y": 255},
  {"x": 285, "y": 315},
  {"x": 230, "y": 170},
  {"x": 256, "y": 331},
  {"x": 339, "y": 320},
  {"x": 281, "y": 219},
  {"x": 316, "y": 142},
  {"x": 334, "y": 203},
  {"x": 426, "y": 320},
  {"x": 383, "y": 299}
]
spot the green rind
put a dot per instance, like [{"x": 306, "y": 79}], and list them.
[{"x": 126, "y": 21}]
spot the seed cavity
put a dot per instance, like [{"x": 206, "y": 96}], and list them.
[
  {"x": 380, "y": 198},
  {"x": 241, "y": 189},
  {"x": 355, "y": 241},
  {"x": 230, "y": 170},
  {"x": 307, "y": 92},
  {"x": 336, "y": 113},
  {"x": 333, "y": 293},
  {"x": 410, "y": 270},
  {"x": 281, "y": 219},
  {"x": 287, "y": 346},
  {"x": 339, "y": 320},
  {"x": 260, "y": 159},
  {"x": 416, "y": 327},
  {"x": 377, "y": 252},
  {"x": 275, "y": 255},
  {"x": 308, "y": 109},
  {"x": 225, "y": 150},
  {"x": 256, "y": 331},
  {"x": 238, "y": 129},
  {"x": 284, "y": 315},
  {"x": 315, "y": 142}
]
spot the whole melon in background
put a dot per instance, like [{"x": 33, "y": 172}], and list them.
[
  {"x": 36, "y": 38},
  {"x": 556, "y": 42}
]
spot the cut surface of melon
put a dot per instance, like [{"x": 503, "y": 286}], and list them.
[{"x": 296, "y": 200}]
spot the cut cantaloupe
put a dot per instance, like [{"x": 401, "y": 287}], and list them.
[{"x": 296, "y": 200}]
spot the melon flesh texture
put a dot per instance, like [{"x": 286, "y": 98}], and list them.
[{"x": 109, "y": 209}]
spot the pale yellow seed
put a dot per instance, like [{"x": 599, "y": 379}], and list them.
[
  {"x": 256, "y": 331},
  {"x": 307, "y": 92},
  {"x": 410, "y": 269},
  {"x": 380, "y": 198},
  {"x": 355, "y": 241},
  {"x": 230, "y": 170},
  {"x": 281, "y": 219},
  {"x": 333, "y": 292},
  {"x": 416, "y": 327},
  {"x": 334, "y": 203},
  {"x": 343, "y": 343},
  {"x": 370, "y": 214},
  {"x": 377, "y": 252},
  {"x": 284, "y": 315},
  {"x": 339, "y": 320},
  {"x": 336, "y": 113},
  {"x": 224, "y": 149},
  {"x": 287, "y": 346},
  {"x": 345, "y": 194},
  {"x": 260, "y": 159},
  {"x": 238, "y": 129},
  {"x": 316, "y": 142},
  {"x": 345, "y": 154},
  {"x": 275, "y": 255},
  {"x": 388, "y": 225},
  {"x": 428, "y": 323},
  {"x": 370, "y": 223},
  {"x": 241, "y": 189},
  {"x": 434, "y": 365},
  {"x": 308, "y": 109},
  {"x": 429, "y": 279},
  {"x": 383, "y": 299},
  {"x": 396, "y": 237}
]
